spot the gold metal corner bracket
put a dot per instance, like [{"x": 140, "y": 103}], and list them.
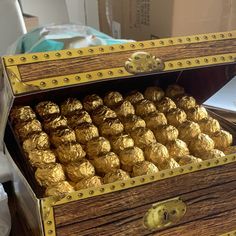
[{"x": 143, "y": 62}]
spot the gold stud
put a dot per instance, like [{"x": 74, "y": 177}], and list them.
[
  {"x": 190, "y": 167},
  {"x": 188, "y": 62},
  {"x": 225, "y": 159},
  {"x": 230, "y": 57},
  {"x": 46, "y": 55},
  {"x": 90, "y": 50},
  {"x": 69, "y": 197},
  {"x": 142, "y": 180},
  {"x": 162, "y": 175},
  {"x": 110, "y": 72},
  {"x": 217, "y": 162},
  {"x": 22, "y": 58},
  {"x": 49, "y": 222},
  {"x": 10, "y": 60},
  {"x": 208, "y": 163},
  {"x": 171, "y": 41},
  {"x": 69, "y": 53},
  {"x": 102, "y": 190},
  {"x": 91, "y": 192},
  {"x": 120, "y": 71},
  {"x": 188, "y": 39},
  {"x": 57, "y": 54},
  {"x": 230, "y": 35},
  {"x": 54, "y": 81},
  {"x": 214, "y": 59},
  {"x": 111, "y": 48},
  {"x": 222, "y": 36},
  {"x": 233, "y": 158},
  {"x": 180, "y": 40},
  {"x": 179, "y": 63},
  {"x": 199, "y": 166},
  {"x": 88, "y": 76},
  {"x": 206, "y": 60},
  {"x": 77, "y": 78},
  {"x": 132, "y": 45},
  {"x": 181, "y": 170},
  {"x": 43, "y": 84},
  {"x": 112, "y": 187},
  {"x": 66, "y": 80},
  {"x": 99, "y": 74},
  {"x": 197, "y": 61},
  {"x": 213, "y": 36},
  {"x": 161, "y": 42},
  {"x": 152, "y": 177},
  {"x": 80, "y": 194},
  {"x": 80, "y": 52},
  {"x": 222, "y": 58},
  {"x": 122, "y": 184},
  {"x": 205, "y": 37},
  {"x": 121, "y": 47},
  {"x": 170, "y": 65},
  {"x": 197, "y": 38},
  {"x": 171, "y": 172},
  {"x": 141, "y": 44},
  {"x": 50, "y": 231},
  {"x": 34, "y": 57},
  {"x": 152, "y": 43}
]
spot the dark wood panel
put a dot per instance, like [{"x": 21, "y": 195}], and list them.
[
  {"x": 112, "y": 60},
  {"x": 206, "y": 209},
  {"x": 207, "y": 193}
]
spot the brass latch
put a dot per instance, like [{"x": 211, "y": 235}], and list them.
[
  {"x": 165, "y": 213},
  {"x": 143, "y": 62}
]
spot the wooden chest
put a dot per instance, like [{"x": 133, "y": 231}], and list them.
[{"x": 194, "y": 199}]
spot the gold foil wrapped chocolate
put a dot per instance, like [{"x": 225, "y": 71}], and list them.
[
  {"x": 38, "y": 141},
  {"x": 133, "y": 122},
  {"x": 23, "y": 130},
  {"x": 134, "y": 97},
  {"x": 213, "y": 153},
  {"x": 101, "y": 114},
  {"x": 92, "y": 102},
  {"x": 170, "y": 163},
  {"x": 112, "y": 98},
  {"x": 38, "y": 158},
  {"x": 129, "y": 157},
  {"x": 196, "y": 113},
  {"x": 50, "y": 174},
  {"x": 106, "y": 163},
  {"x": 47, "y": 109},
  {"x": 20, "y": 114},
  {"x": 79, "y": 118},
  {"x": 62, "y": 136},
  {"x": 59, "y": 188},
  {"x": 188, "y": 130},
  {"x": 166, "y": 133},
  {"x": 165, "y": 105},
  {"x": 230, "y": 150},
  {"x": 143, "y": 137},
  {"x": 188, "y": 159},
  {"x": 94, "y": 181},
  {"x": 121, "y": 142},
  {"x": 155, "y": 119},
  {"x": 154, "y": 93},
  {"x": 111, "y": 127},
  {"x": 209, "y": 125},
  {"x": 144, "y": 168},
  {"x": 186, "y": 102},
  {"x": 177, "y": 148},
  {"x": 222, "y": 139},
  {"x": 70, "y": 106},
  {"x": 200, "y": 144},
  {"x": 115, "y": 175},
  {"x": 174, "y": 90},
  {"x": 77, "y": 171},
  {"x": 85, "y": 132},
  {"x": 176, "y": 116},
  {"x": 59, "y": 122},
  {"x": 156, "y": 153},
  {"x": 124, "y": 109},
  {"x": 97, "y": 146},
  {"x": 144, "y": 107},
  {"x": 70, "y": 152}
]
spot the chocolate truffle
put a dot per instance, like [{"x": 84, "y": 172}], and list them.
[
  {"x": 170, "y": 163},
  {"x": 50, "y": 174},
  {"x": 144, "y": 168},
  {"x": 174, "y": 90},
  {"x": 39, "y": 158},
  {"x": 38, "y": 141},
  {"x": 177, "y": 148},
  {"x": 209, "y": 125},
  {"x": 230, "y": 150},
  {"x": 94, "y": 181},
  {"x": 70, "y": 152},
  {"x": 59, "y": 122},
  {"x": 144, "y": 107},
  {"x": 111, "y": 127},
  {"x": 112, "y": 98},
  {"x": 155, "y": 119},
  {"x": 121, "y": 142},
  {"x": 115, "y": 175},
  {"x": 85, "y": 132},
  {"x": 134, "y": 97},
  {"x": 70, "y": 106},
  {"x": 79, "y": 118},
  {"x": 97, "y": 146},
  {"x": 188, "y": 130},
  {"x": 188, "y": 159},
  {"x": 132, "y": 122},
  {"x": 166, "y": 133},
  {"x": 62, "y": 136},
  {"x": 200, "y": 144},
  {"x": 186, "y": 102},
  {"x": 79, "y": 170},
  {"x": 59, "y": 188},
  {"x": 129, "y": 157},
  {"x": 106, "y": 163},
  {"x": 20, "y": 114},
  {"x": 196, "y": 113},
  {"x": 92, "y": 102},
  {"x": 222, "y": 139},
  {"x": 101, "y": 114},
  {"x": 124, "y": 109},
  {"x": 213, "y": 153},
  {"x": 47, "y": 110},
  {"x": 176, "y": 116},
  {"x": 154, "y": 93},
  {"x": 165, "y": 104},
  {"x": 143, "y": 137}
]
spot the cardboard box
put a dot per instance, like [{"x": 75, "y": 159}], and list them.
[
  {"x": 146, "y": 19},
  {"x": 31, "y": 22}
]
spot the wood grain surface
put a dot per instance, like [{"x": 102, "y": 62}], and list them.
[
  {"x": 55, "y": 68},
  {"x": 210, "y": 196}
]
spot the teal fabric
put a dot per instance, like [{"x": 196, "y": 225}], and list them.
[{"x": 56, "y": 37}]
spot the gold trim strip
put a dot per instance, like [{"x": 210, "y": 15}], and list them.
[
  {"x": 232, "y": 233},
  {"x": 48, "y": 203},
  {"x": 99, "y": 75},
  {"x": 72, "y": 53}
]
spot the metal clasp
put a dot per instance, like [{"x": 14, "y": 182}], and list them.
[{"x": 165, "y": 213}]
